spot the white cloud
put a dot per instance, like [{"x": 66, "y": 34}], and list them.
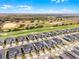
[
  {"x": 6, "y": 6},
  {"x": 16, "y": 7},
  {"x": 59, "y": 1},
  {"x": 64, "y": 10},
  {"x": 25, "y": 7},
  {"x": 60, "y": 11},
  {"x": 30, "y": 9},
  {"x": 41, "y": 9}
]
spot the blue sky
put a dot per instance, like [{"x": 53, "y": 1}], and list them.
[{"x": 39, "y": 6}]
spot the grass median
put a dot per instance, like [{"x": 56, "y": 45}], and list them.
[{"x": 33, "y": 31}]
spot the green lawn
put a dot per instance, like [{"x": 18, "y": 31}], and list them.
[{"x": 31, "y": 31}]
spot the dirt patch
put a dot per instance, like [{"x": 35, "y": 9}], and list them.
[
  {"x": 9, "y": 25},
  {"x": 55, "y": 23}
]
